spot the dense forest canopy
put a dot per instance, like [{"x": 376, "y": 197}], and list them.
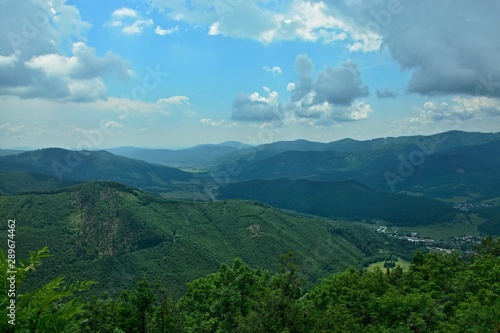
[{"x": 438, "y": 293}]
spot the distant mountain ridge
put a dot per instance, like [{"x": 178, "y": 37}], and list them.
[
  {"x": 430, "y": 165},
  {"x": 93, "y": 166},
  {"x": 198, "y": 156}
]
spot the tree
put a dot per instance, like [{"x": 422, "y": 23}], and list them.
[{"x": 50, "y": 308}]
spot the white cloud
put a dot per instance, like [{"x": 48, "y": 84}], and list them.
[
  {"x": 129, "y": 20},
  {"x": 214, "y": 29},
  {"x": 273, "y": 70},
  {"x": 255, "y": 107},
  {"x": 330, "y": 98},
  {"x": 9, "y": 61},
  {"x": 77, "y": 77},
  {"x": 124, "y": 12},
  {"x": 220, "y": 123},
  {"x": 266, "y": 22},
  {"x": 164, "y": 32},
  {"x": 177, "y": 103},
  {"x": 137, "y": 27},
  {"x": 36, "y": 67},
  {"x": 174, "y": 100},
  {"x": 462, "y": 109},
  {"x": 53, "y": 64}
]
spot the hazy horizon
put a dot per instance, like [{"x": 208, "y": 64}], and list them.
[{"x": 221, "y": 143}]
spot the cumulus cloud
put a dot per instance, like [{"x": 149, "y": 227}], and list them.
[
  {"x": 129, "y": 21},
  {"x": 421, "y": 36},
  {"x": 334, "y": 86},
  {"x": 269, "y": 22},
  {"x": 78, "y": 77},
  {"x": 33, "y": 65},
  {"x": 450, "y": 47},
  {"x": 255, "y": 107},
  {"x": 339, "y": 85},
  {"x": 330, "y": 97},
  {"x": 461, "y": 109}
]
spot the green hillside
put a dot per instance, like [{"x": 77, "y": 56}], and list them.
[
  {"x": 117, "y": 235},
  {"x": 341, "y": 199},
  {"x": 94, "y": 166},
  {"x": 15, "y": 182}
]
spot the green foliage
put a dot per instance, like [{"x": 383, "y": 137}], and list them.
[
  {"x": 440, "y": 293},
  {"x": 50, "y": 308}
]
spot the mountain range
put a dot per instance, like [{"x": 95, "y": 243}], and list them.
[{"x": 82, "y": 166}]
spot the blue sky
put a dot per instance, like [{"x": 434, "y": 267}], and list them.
[{"x": 172, "y": 73}]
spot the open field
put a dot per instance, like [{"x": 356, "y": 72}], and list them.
[
  {"x": 445, "y": 230},
  {"x": 405, "y": 265}
]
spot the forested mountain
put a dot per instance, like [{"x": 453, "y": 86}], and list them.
[
  {"x": 15, "y": 182},
  {"x": 446, "y": 165},
  {"x": 93, "y": 166},
  {"x": 345, "y": 199},
  {"x": 100, "y": 231}
]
